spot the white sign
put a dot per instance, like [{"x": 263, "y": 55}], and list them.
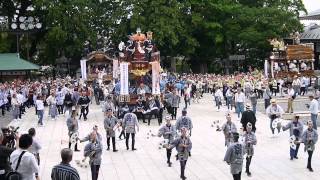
[
  {"x": 115, "y": 69},
  {"x": 237, "y": 57},
  {"x": 124, "y": 79},
  {"x": 83, "y": 64},
  {"x": 266, "y": 68},
  {"x": 155, "y": 77}
]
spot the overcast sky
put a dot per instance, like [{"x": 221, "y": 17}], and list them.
[{"x": 311, "y": 5}]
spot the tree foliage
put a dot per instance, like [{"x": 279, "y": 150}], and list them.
[{"x": 200, "y": 30}]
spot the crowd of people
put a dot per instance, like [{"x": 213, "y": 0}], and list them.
[{"x": 72, "y": 99}]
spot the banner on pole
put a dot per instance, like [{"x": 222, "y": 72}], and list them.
[
  {"x": 266, "y": 68},
  {"x": 155, "y": 77},
  {"x": 83, "y": 64},
  {"x": 124, "y": 79}
]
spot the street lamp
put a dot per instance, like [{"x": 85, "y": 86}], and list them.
[
  {"x": 3, "y": 22},
  {"x": 24, "y": 25}
]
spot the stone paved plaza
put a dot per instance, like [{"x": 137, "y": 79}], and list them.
[{"x": 271, "y": 160}]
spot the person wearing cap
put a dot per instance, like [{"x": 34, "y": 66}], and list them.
[
  {"x": 250, "y": 140},
  {"x": 228, "y": 128},
  {"x": 168, "y": 132},
  {"x": 309, "y": 138},
  {"x": 248, "y": 116},
  {"x": 274, "y": 111},
  {"x": 184, "y": 122},
  {"x": 291, "y": 96},
  {"x": 296, "y": 130},
  {"x": 234, "y": 157},
  {"x": 183, "y": 146},
  {"x": 313, "y": 108},
  {"x": 110, "y": 122},
  {"x": 130, "y": 123}
]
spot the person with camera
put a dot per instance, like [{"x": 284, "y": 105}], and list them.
[
  {"x": 28, "y": 165},
  {"x": 274, "y": 111},
  {"x": 309, "y": 138},
  {"x": 4, "y": 156}
]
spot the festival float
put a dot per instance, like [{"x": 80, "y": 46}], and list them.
[
  {"x": 138, "y": 67},
  {"x": 98, "y": 66},
  {"x": 291, "y": 60}
]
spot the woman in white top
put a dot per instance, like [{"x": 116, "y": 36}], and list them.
[{"x": 52, "y": 102}]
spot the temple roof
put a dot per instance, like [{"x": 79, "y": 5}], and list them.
[
  {"x": 314, "y": 15},
  {"x": 11, "y": 62},
  {"x": 311, "y": 32}
]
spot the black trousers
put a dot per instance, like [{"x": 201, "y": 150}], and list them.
[
  {"x": 132, "y": 138},
  {"x": 160, "y": 115},
  {"x": 237, "y": 176},
  {"x": 9, "y": 103},
  {"x": 60, "y": 109},
  {"x": 113, "y": 142},
  {"x": 94, "y": 171},
  {"x": 169, "y": 152},
  {"x": 140, "y": 115},
  {"x": 150, "y": 114},
  {"x": 302, "y": 91},
  {"x": 122, "y": 134},
  {"x": 182, "y": 168},
  {"x": 84, "y": 112},
  {"x": 75, "y": 146},
  {"x": 248, "y": 162},
  {"x": 174, "y": 113},
  {"x": 309, "y": 159},
  {"x": 3, "y": 107}
]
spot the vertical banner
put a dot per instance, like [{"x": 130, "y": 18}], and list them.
[
  {"x": 155, "y": 77},
  {"x": 266, "y": 68},
  {"x": 83, "y": 64},
  {"x": 115, "y": 69},
  {"x": 124, "y": 80}
]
